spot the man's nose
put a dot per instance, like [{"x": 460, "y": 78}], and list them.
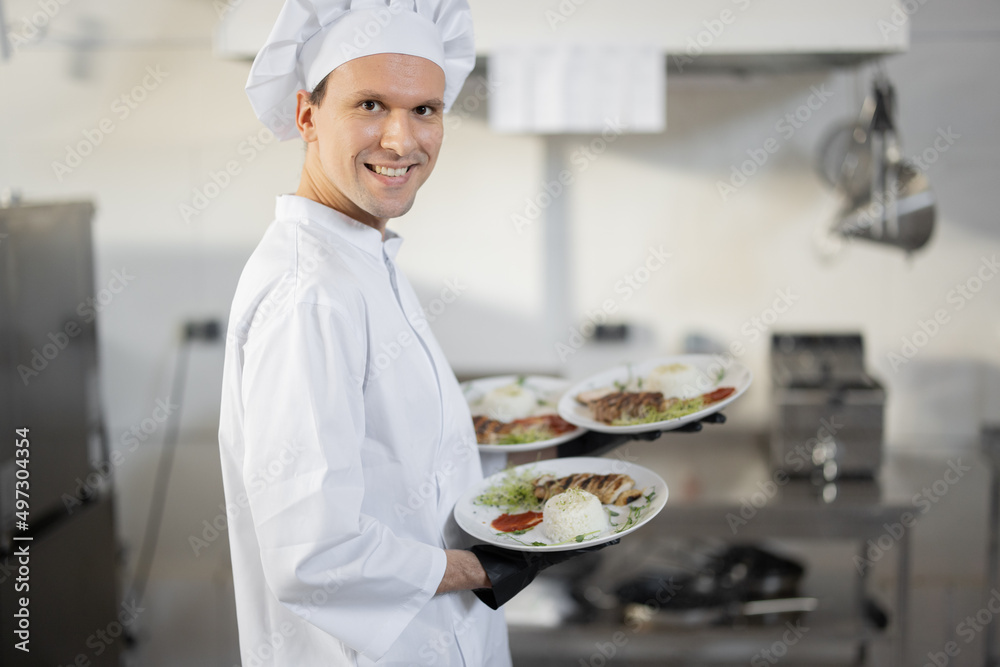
[{"x": 397, "y": 134}]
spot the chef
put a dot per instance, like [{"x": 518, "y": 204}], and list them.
[{"x": 344, "y": 436}]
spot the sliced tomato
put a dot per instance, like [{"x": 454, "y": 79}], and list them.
[
  {"x": 719, "y": 394},
  {"x": 508, "y": 523}
]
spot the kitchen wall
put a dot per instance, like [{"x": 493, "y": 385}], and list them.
[{"x": 136, "y": 88}]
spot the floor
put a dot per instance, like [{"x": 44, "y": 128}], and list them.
[{"x": 191, "y": 620}]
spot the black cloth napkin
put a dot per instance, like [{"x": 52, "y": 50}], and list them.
[{"x": 511, "y": 571}]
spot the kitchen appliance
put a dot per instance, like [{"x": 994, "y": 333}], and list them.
[
  {"x": 48, "y": 385},
  {"x": 991, "y": 447},
  {"x": 886, "y": 198},
  {"x": 741, "y": 584},
  {"x": 828, "y": 411}
]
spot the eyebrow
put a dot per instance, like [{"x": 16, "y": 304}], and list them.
[{"x": 375, "y": 95}]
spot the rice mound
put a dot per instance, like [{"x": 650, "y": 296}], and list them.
[
  {"x": 673, "y": 380},
  {"x": 509, "y": 402},
  {"x": 571, "y": 513}
]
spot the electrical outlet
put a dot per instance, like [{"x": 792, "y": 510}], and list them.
[{"x": 206, "y": 330}]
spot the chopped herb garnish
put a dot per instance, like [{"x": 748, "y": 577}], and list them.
[
  {"x": 679, "y": 409},
  {"x": 522, "y": 437},
  {"x": 578, "y": 538},
  {"x": 635, "y": 513},
  {"x": 515, "y": 492}
]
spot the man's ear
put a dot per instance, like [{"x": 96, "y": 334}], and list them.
[{"x": 304, "y": 116}]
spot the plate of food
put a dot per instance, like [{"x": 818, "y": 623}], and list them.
[
  {"x": 655, "y": 395},
  {"x": 518, "y": 413},
  {"x": 561, "y": 504}
]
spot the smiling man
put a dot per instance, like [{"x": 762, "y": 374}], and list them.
[
  {"x": 345, "y": 438},
  {"x": 373, "y": 129}
]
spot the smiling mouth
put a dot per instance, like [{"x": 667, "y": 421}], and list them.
[{"x": 388, "y": 171}]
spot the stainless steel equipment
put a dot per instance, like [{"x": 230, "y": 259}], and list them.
[
  {"x": 828, "y": 412},
  {"x": 741, "y": 584},
  {"x": 991, "y": 446},
  {"x": 887, "y": 199},
  {"x": 48, "y": 385}
]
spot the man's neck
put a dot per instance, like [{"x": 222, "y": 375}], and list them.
[{"x": 321, "y": 191}]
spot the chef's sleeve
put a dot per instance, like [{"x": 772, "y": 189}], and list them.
[{"x": 322, "y": 557}]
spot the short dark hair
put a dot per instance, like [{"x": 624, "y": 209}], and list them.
[{"x": 319, "y": 92}]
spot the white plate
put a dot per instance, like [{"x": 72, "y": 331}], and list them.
[
  {"x": 476, "y": 519},
  {"x": 734, "y": 374},
  {"x": 550, "y": 388}
]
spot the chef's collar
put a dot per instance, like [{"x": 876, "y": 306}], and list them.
[{"x": 356, "y": 233}]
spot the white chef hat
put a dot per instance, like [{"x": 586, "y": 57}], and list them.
[{"x": 311, "y": 38}]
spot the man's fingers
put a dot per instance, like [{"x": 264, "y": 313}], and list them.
[{"x": 692, "y": 427}]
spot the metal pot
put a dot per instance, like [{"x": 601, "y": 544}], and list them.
[
  {"x": 887, "y": 200},
  {"x": 741, "y": 584}
]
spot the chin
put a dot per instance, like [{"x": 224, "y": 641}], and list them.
[{"x": 386, "y": 210}]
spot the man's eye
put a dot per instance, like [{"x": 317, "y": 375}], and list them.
[
  {"x": 369, "y": 105},
  {"x": 424, "y": 110}
]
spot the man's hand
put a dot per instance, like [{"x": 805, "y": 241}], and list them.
[
  {"x": 511, "y": 571},
  {"x": 694, "y": 427},
  {"x": 463, "y": 572}
]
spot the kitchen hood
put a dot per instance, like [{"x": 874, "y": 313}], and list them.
[{"x": 727, "y": 35}]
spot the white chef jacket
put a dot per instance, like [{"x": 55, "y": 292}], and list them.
[{"x": 345, "y": 443}]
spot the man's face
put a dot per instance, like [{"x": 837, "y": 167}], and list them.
[{"x": 381, "y": 116}]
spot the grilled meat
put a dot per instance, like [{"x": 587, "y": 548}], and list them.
[
  {"x": 490, "y": 431},
  {"x": 587, "y": 397},
  {"x": 611, "y": 489},
  {"x": 628, "y": 405},
  {"x": 487, "y": 429}
]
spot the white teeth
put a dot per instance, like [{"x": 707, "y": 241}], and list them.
[{"x": 389, "y": 171}]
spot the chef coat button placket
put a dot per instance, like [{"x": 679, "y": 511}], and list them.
[{"x": 423, "y": 344}]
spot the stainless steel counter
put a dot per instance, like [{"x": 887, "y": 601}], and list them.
[{"x": 724, "y": 490}]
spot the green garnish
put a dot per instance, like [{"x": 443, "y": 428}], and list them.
[
  {"x": 578, "y": 538},
  {"x": 521, "y": 438},
  {"x": 514, "y": 493},
  {"x": 679, "y": 409},
  {"x": 635, "y": 513}
]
